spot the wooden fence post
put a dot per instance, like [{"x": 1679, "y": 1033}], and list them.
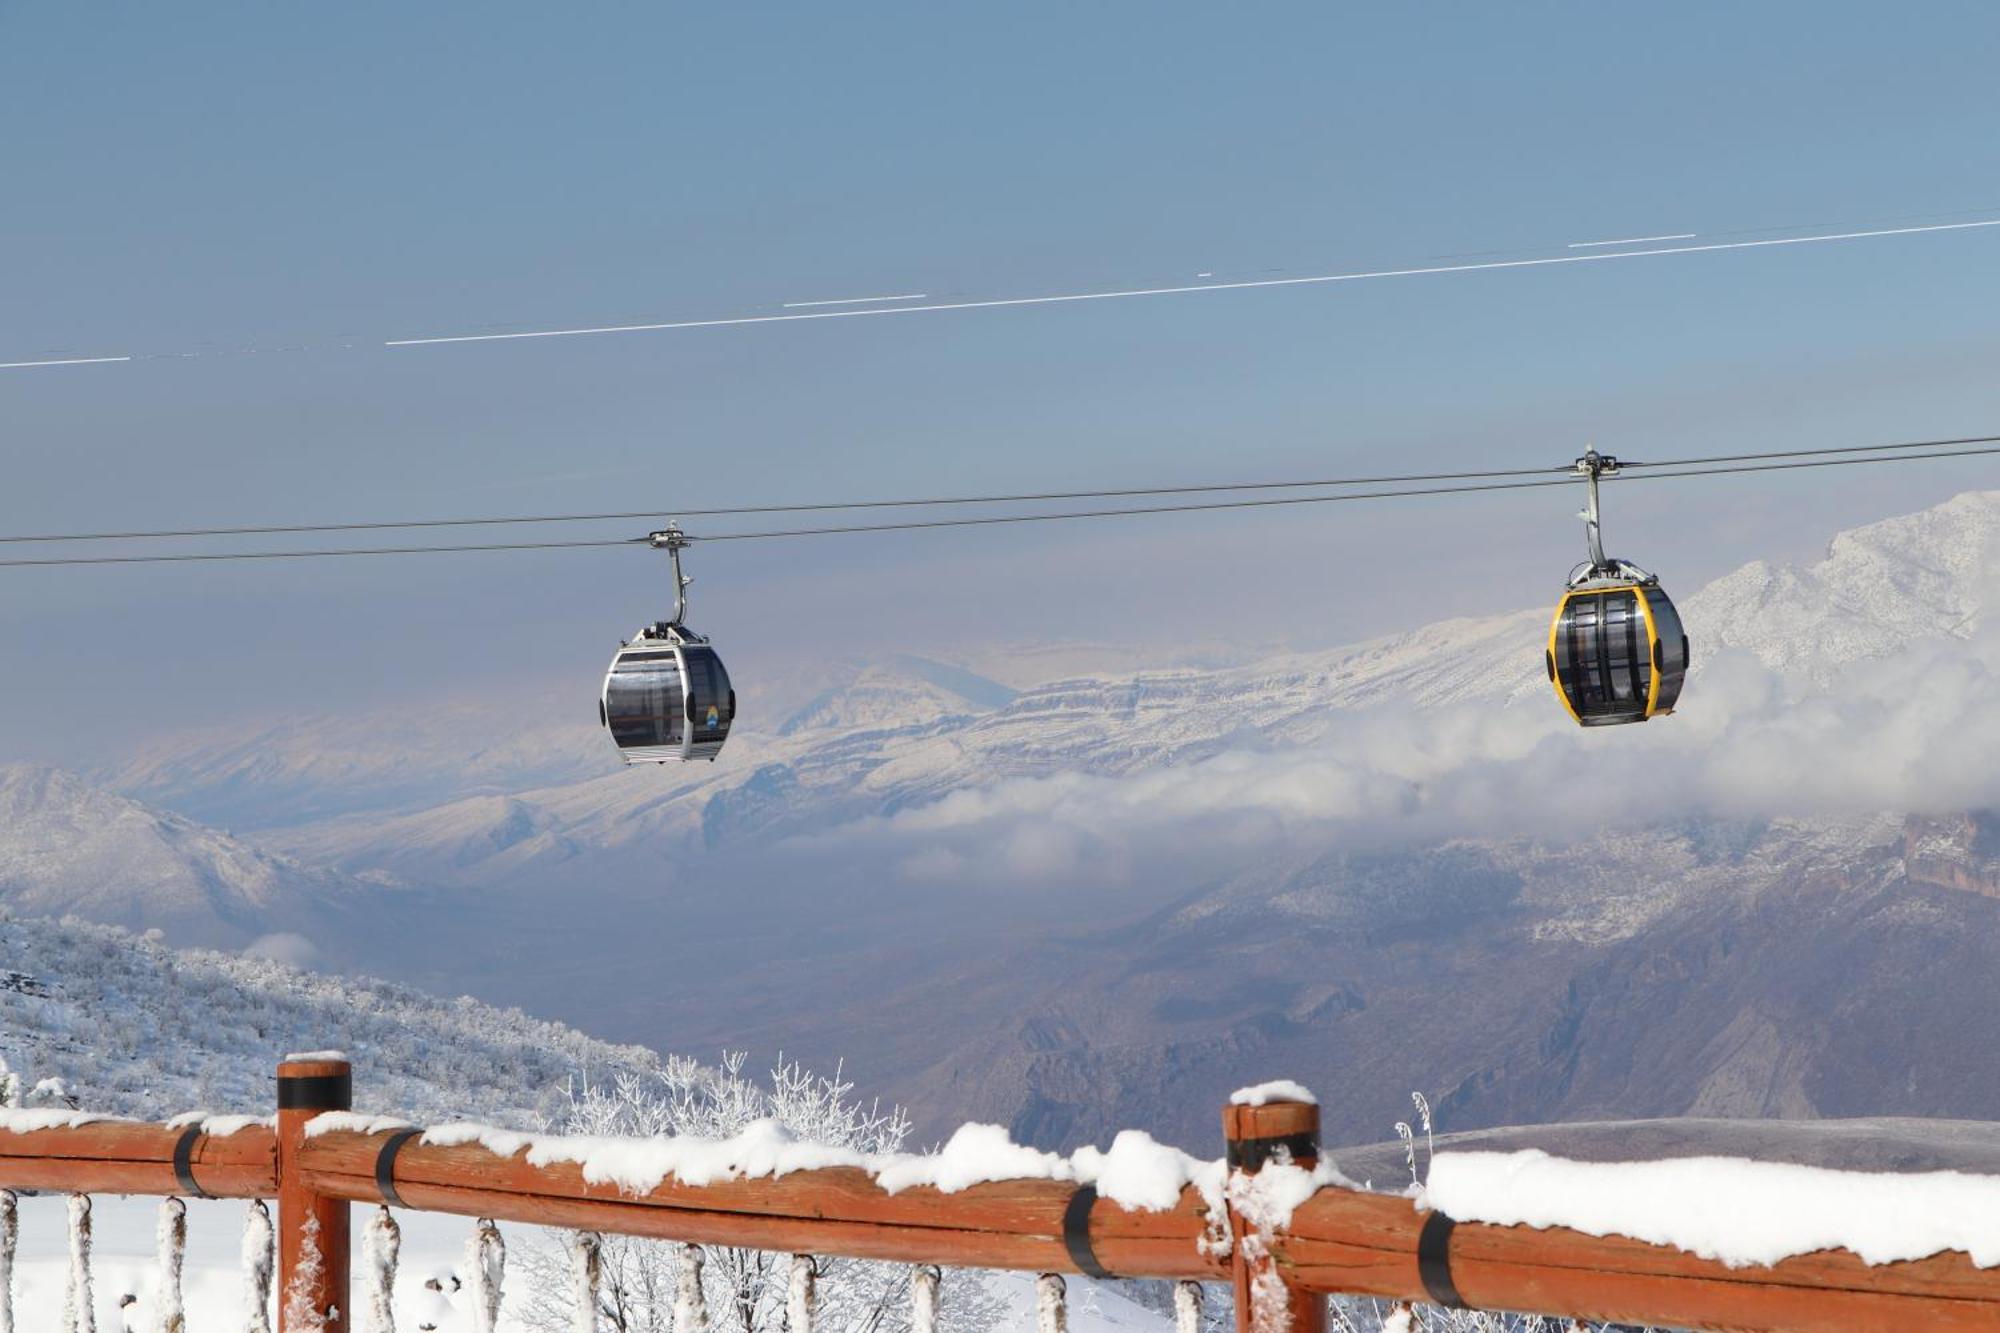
[
  {"x": 1257, "y": 1135},
  {"x": 312, "y": 1229}
]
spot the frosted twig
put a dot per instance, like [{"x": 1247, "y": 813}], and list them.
[
  {"x": 10, "y": 1231},
  {"x": 172, "y": 1235},
  {"x": 1424, "y": 1118},
  {"x": 924, "y": 1281},
  {"x": 257, "y": 1246},
  {"x": 587, "y": 1249},
  {"x": 1187, "y": 1307},
  {"x": 486, "y": 1271},
  {"x": 690, "y": 1307},
  {"x": 381, "y": 1250},
  {"x": 79, "y": 1311},
  {"x": 799, "y": 1294},
  {"x": 1409, "y": 1139},
  {"x": 1051, "y": 1304}
]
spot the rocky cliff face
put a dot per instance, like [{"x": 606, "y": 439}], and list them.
[{"x": 1960, "y": 852}]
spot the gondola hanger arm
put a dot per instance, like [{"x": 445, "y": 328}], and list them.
[{"x": 673, "y": 541}]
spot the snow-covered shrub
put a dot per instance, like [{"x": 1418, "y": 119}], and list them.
[
  {"x": 1358, "y": 1316},
  {"x": 745, "y": 1290},
  {"x": 128, "y": 1027}
]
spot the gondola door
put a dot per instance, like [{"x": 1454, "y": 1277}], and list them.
[{"x": 645, "y": 701}]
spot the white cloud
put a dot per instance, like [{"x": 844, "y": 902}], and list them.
[
  {"x": 284, "y": 947},
  {"x": 1917, "y": 731}
]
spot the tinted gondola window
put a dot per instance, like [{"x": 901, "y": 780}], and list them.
[
  {"x": 1673, "y": 648},
  {"x": 643, "y": 700},
  {"x": 1667, "y": 624},
  {"x": 709, "y": 703},
  {"x": 1603, "y": 656}
]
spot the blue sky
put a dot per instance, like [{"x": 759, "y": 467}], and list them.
[{"x": 259, "y": 177}]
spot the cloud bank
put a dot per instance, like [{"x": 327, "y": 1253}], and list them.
[{"x": 1917, "y": 731}]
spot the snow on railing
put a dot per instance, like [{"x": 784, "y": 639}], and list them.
[{"x": 1626, "y": 1242}]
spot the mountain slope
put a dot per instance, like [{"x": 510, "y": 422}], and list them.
[
  {"x": 135, "y": 1028},
  {"x": 1878, "y": 588},
  {"x": 69, "y": 847}
]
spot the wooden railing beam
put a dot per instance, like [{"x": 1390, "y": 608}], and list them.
[
  {"x": 135, "y": 1157},
  {"x": 1014, "y": 1224}
]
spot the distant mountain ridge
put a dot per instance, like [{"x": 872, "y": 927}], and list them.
[{"x": 900, "y": 734}]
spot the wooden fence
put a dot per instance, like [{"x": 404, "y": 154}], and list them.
[{"x": 1338, "y": 1241}]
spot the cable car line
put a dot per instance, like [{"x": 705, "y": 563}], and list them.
[
  {"x": 1806, "y": 453},
  {"x": 194, "y": 556},
  {"x": 945, "y": 501},
  {"x": 52, "y": 561},
  {"x": 995, "y": 519},
  {"x": 1306, "y": 499},
  {"x": 1023, "y": 498}
]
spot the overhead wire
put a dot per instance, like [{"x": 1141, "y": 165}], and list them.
[
  {"x": 1069, "y": 515},
  {"x": 1313, "y": 499},
  {"x": 741, "y": 510},
  {"x": 1805, "y": 453},
  {"x": 1026, "y": 497}
]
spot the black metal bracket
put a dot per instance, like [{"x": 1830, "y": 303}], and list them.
[
  {"x": 385, "y": 1166},
  {"x": 1434, "y": 1262},
  {"x": 316, "y": 1092},
  {"x": 1076, "y": 1233},
  {"x": 184, "y": 1162}
]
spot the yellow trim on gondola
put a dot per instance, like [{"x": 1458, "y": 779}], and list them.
[
  {"x": 1652, "y": 646},
  {"x": 1653, "y": 654},
  {"x": 1555, "y": 677}
]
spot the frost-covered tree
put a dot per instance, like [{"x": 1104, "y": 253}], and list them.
[
  {"x": 1348, "y": 1315},
  {"x": 745, "y": 1290}
]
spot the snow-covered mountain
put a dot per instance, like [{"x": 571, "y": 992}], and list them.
[
  {"x": 887, "y": 741},
  {"x": 904, "y": 734},
  {"x": 306, "y": 767},
  {"x": 1879, "y": 588},
  {"x": 69, "y": 847}
]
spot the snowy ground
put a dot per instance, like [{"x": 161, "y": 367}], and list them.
[{"x": 126, "y": 1275}]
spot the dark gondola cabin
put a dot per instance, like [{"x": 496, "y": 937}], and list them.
[
  {"x": 667, "y": 697},
  {"x": 1617, "y": 653}
]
